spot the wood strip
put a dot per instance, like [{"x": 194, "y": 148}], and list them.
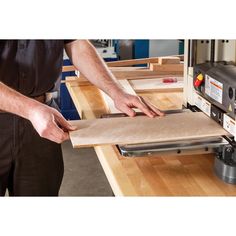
[
  {"x": 181, "y": 175},
  {"x": 141, "y": 184},
  {"x": 169, "y": 60},
  {"x": 133, "y": 62},
  {"x": 68, "y": 68},
  {"x": 125, "y": 63},
  {"x": 80, "y": 81},
  {"x": 163, "y": 70},
  {"x": 138, "y": 74},
  {"x": 167, "y": 68},
  {"x": 129, "y": 68},
  {"x": 156, "y": 85},
  {"x": 133, "y": 130},
  {"x": 158, "y": 186},
  {"x": 139, "y": 61},
  {"x": 107, "y": 156}
]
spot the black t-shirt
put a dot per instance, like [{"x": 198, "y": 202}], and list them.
[{"x": 31, "y": 67}]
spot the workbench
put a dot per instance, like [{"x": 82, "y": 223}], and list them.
[{"x": 191, "y": 175}]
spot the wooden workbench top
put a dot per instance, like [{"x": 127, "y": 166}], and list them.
[{"x": 191, "y": 175}]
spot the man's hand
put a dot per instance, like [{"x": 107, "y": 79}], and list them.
[
  {"x": 49, "y": 123},
  {"x": 125, "y": 102}
]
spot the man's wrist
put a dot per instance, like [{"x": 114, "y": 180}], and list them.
[
  {"x": 29, "y": 106},
  {"x": 116, "y": 93}
]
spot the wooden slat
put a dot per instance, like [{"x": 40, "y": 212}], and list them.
[
  {"x": 167, "y": 68},
  {"x": 169, "y": 60},
  {"x": 157, "y": 85},
  {"x": 128, "y": 68},
  {"x": 83, "y": 81},
  {"x": 124, "y": 63},
  {"x": 129, "y": 75},
  {"x": 133, "y": 62},
  {"x": 139, "y": 61},
  {"x": 127, "y": 130},
  {"x": 68, "y": 68}
]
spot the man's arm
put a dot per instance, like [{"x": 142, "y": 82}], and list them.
[
  {"x": 85, "y": 58},
  {"x": 48, "y": 122}
]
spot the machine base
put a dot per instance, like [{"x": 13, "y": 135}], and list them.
[{"x": 225, "y": 171}]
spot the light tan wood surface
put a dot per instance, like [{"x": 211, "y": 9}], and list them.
[
  {"x": 167, "y": 68},
  {"x": 157, "y": 85},
  {"x": 142, "y": 129},
  {"x": 169, "y": 60},
  {"x": 191, "y": 175}
]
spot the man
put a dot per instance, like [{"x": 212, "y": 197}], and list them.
[{"x": 31, "y": 131}]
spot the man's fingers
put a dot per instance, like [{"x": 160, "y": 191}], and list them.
[
  {"x": 62, "y": 138},
  {"x": 127, "y": 110},
  {"x": 144, "y": 108},
  {"x": 151, "y": 106},
  {"x": 64, "y": 123},
  {"x": 60, "y": 134},
  {"x": 54, "y": 138}
]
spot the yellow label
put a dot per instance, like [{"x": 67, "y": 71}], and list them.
[{"x": 200, "y": 77}]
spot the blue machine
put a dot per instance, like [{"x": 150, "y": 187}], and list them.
[{"x": 141, "y": 48}]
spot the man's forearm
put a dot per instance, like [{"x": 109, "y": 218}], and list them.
[
  {"x": 92, "y": 66},
  {"x": 14, "y": 102}
]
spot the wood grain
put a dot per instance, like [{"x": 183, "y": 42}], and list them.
[{"x": 128, "y": 130}]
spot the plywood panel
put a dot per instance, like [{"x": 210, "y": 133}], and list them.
[{"x": 128, "y": 130}]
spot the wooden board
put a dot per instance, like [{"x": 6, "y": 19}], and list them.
[
  {"x": 139, "y": 61},
  {"x": 169, "y": 60},
  {"x": 167, "y": 68},
  {"x": 145, "y": 73},
  {"x": 133, "y": 62},
  {"x": 156, "y": 85},
  {"x": 127, "y": 130}
]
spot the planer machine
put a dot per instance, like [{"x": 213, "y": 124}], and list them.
[{"x": 209, "y": 87}]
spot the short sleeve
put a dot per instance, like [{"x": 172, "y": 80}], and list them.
[{"x": 68, "y": 41}]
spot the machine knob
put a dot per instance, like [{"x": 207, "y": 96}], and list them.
[{"x": 198, "y": 81}]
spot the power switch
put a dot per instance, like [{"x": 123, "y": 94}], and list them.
[{"x": 198, "y": 81}]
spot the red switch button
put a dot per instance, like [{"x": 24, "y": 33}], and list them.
[{"x": 198, "y": 81}]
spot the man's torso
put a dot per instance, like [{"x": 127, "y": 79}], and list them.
[{"x": 31, "y": 66}]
